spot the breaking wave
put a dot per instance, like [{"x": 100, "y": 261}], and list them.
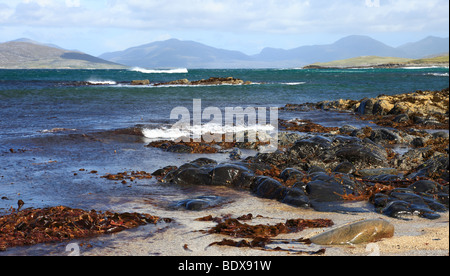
[
  {"x": 438, "y": 74},
  {"x": 173, "y": 133},
  {"x": 153, "y": 71}
]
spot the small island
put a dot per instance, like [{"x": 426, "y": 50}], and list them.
[{"x": 382, "y": 62}]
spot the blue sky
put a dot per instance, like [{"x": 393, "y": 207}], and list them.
[{"x": 98, "y": 26}]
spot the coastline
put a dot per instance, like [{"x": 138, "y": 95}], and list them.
[
  {"x": 417, "y": 235},
  {"x": 382, "y": 66}
]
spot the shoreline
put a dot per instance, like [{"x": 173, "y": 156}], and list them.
[{"x": 262, "y": 186}]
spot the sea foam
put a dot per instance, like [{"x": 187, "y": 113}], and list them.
[{"x": 153, "y": 71}]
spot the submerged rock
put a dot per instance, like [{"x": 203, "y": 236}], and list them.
[
  {"x": 200, "y": 203},
  {"x": 367, "y": 231}
]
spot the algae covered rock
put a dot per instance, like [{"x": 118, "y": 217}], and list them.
[{"x": 367, "y": 231}]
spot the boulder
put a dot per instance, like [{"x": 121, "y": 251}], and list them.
[
  {"x": 140, "y": 82},
  {"x": 367, "y": 231},
  {"x": 231, "y": 175},
  {"x": 270, "y": 188}
]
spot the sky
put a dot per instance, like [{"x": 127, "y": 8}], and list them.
[{"x": 99, "y": 26}]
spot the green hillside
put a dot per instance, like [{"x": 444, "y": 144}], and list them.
[{"x": 375, "y": 61}]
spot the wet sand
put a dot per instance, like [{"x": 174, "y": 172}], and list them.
[{"x": 185, "y": 236}]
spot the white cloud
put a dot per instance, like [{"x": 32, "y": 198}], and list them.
[
  {"x": 73, "y": 3},
  {"x": 254, "y": 23},
  {"x": 268, "y": 16}
]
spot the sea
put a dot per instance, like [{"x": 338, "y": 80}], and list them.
[{"x": 62, "y": 130}]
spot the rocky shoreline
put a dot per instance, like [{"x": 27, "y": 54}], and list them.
[
  {"x": 326, "y": 167},
  {"x": 316, "y": 169}
]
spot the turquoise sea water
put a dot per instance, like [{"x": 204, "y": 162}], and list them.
[
  {"x": 37, "y": 100},
  {"x": 58, "y": 135},
  {"x": 56, "y": 125}
]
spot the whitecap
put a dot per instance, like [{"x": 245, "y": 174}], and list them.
[
  {"x": 294, "y": 83},
  {"x": 174, "y": 132},
  {"x": 101, "y": 82},
  {"x": 155, "y": 71},
  {"x": 438, "y": 74}
]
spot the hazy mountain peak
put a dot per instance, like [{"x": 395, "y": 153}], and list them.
[{"x": 29, "y": 54}]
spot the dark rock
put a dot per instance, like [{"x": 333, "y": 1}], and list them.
[
  {"x": 434, "y": 205},
  {"x": 310, "y": 148},
  {"x": 204, "y": 161},
  {"x": 315, "y": 169},
  {"x": 380, "y": 201},
  {"x": 418, "y": 142},
  {"x": 290, "y": 174},
  {"x": 402, "y": 201},
  {"x": 347, "y": 129},
  {"x": 402, "y": 118},
  {"x": 322, "y": 191},
  {"x": 435, "y": 168},
  {"x": 232, "y": 175},
  {"x": 397, "y": 209},
  {"x": 366, "y": 107},
  {"x": 407, "y": 195},
  {"x": 345, "y": 167},
  {"x": 384, "y": 135},
  {"x": 269, "y": 188},
  {"x": 362, "y": 154},
  {"x": 200, "y": 203},
  {"x": 424, "y": 186},
  {"x": 296, "y": 197},
  {"x": 192, "y": 176},
  {"x": 443, "y": 198},
  {"x": 179, "y": 149},
  {"x": 441, "y": 134}
]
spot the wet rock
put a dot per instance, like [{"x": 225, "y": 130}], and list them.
[
  {"x": 210, "y": 81},
  {"x": 345, "y": 167},
  {"x": 291, "y": 174},
  {"x": 324, "y": 191},
  {"x": 192, "y": 176},
  {"x": 269, "y": 188},
  {"x": 295, "y": 196},
  {"x": 288, "y": 138},
  {"x": 435, "y": 168},
  {"x": 441, "y": 134},
  {"x": 376, "y": 172},
  {"x": 179, "y": 149},
  {"x": 364, "y": 155},
  {"x": 347, "y": 129},
  {"x": 385, "y": 135},
  {"x": 195, "y": 173},
  {"x": 200, "y": 203},
  {"x": 310, "y": 148},
  {"x": 418, "y": 142},
  {"x": 424, "y": 186},
  {"x": 402, "y": 118},
  {"x": 316, "y": 169},
  {"x": 140, "y": 82},
  {"x": 367, "y": 231},
  {"x": 397, "y": 209},
  {"x": 232, "y": 175},
  {"x": 402, "y": 202}
]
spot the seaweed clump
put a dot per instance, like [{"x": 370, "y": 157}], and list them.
[{"x": 57, "y": 224}]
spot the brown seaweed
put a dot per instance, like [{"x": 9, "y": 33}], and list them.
[{"x": 57, "y": 224}]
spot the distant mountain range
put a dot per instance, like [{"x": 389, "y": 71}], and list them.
[
  {"x": 29, "y": 54},
  {"x": 173, "y": 53}
]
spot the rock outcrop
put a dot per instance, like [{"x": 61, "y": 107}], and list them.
[{"x": 210, "y": 81}]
